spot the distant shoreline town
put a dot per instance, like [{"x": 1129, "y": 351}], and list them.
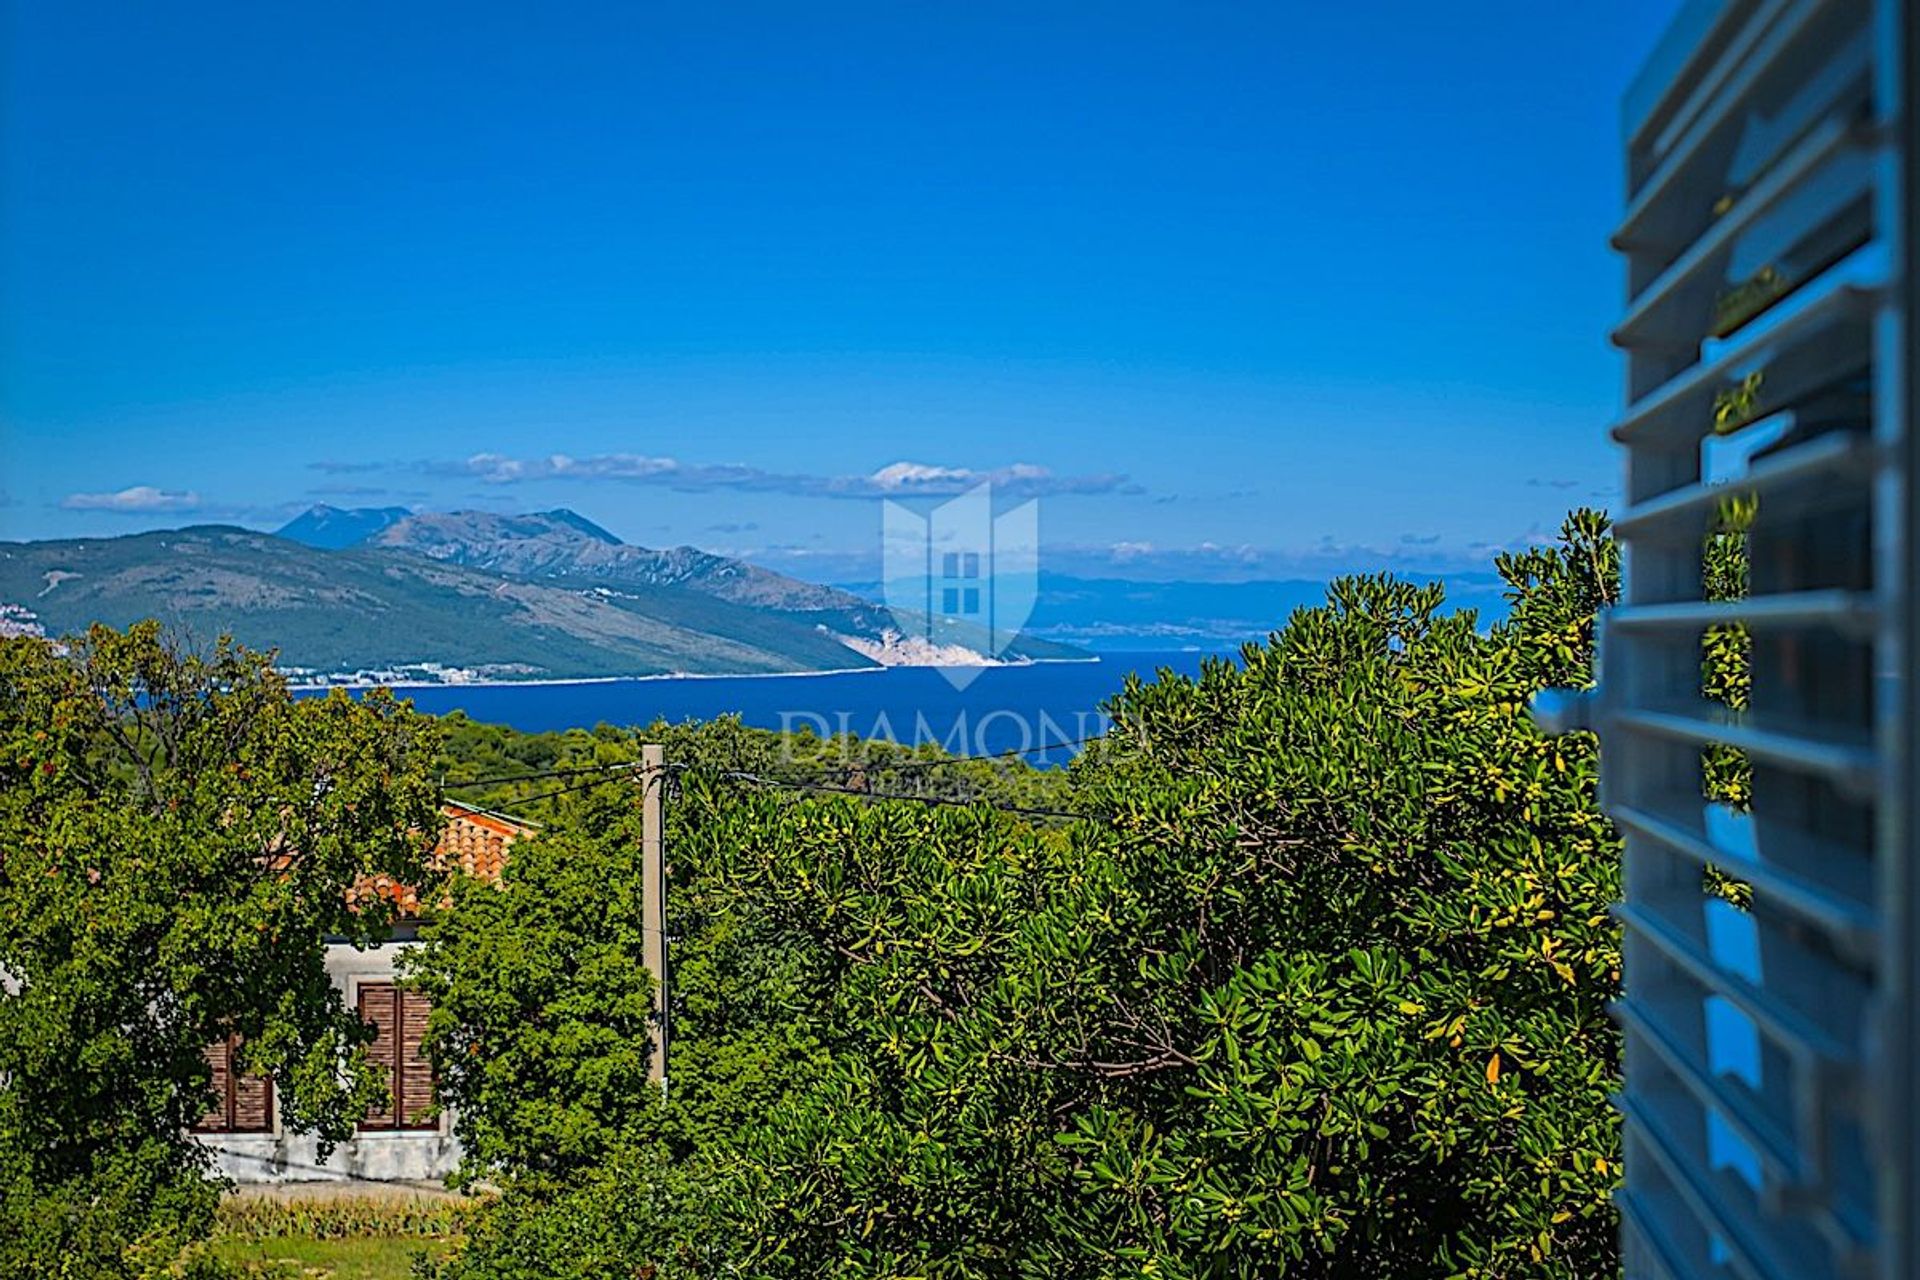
[{"x": 434, "y": 675}]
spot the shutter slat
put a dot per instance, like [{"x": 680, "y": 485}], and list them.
[{"x": 1683, "y": 514}]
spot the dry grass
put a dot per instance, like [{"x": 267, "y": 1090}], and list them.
[{"x": 338, "y": 1237}]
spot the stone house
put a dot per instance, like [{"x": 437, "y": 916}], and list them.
[{"x": 398, "y": 1143}]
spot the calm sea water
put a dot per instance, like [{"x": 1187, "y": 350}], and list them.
[{"x": 1002, "y": 709}]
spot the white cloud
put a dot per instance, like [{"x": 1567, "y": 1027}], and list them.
[
  {"x": 139, "y": 499},
  {"x": 899, "y": 476},
  {"x": 895, "y": 480}
]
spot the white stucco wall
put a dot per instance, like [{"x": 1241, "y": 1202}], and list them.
[{"x": 419, "y": 1155}]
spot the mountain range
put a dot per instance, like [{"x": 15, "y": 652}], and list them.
[
  {"x": 383, "y": 594},
  {"x": 566, "y": 545},
  {"x": 386, "y": 594}
]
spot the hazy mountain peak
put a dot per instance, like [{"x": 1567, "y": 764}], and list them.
[
  {"x": 563, "y": 544},
  {"x": 462, "y": 532},
  {"x": 573, "y": 519},
  {"x": 332, "y": 528}
]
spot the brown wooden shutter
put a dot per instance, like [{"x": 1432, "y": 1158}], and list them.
[
  {"x": 252, "y": 1103},
  {"x": 416, "y": 1073},
  {"x": 220, "y": 1058},
  {"x": 377, "y": 1007},
  {"x": 399, "y": 1019},
  {"x": 243, "y": 1102}
]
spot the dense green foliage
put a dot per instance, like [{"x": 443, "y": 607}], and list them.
[
  {"x": 177, "y": 839},
  {"x": 1314, "y": 985},
  {"x": 487, "y": 752},
  {"x": 540, "y": 1015}
]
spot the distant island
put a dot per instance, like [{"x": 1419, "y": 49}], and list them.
[{"x": 384, "y": 595}]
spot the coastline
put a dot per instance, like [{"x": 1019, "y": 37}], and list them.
[{"x": 352, "y": 685}]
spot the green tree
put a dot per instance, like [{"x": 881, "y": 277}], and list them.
[
  {"x": 1319, "y": 988},
  {"x": 1315, "y": 985},
  {"x": 178, "y": 839},
  {"x": 540, "y": 1004}
]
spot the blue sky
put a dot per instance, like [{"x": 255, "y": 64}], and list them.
[{"x": 1238, "y": 290}]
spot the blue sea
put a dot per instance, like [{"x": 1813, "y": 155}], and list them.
[{"x": 1014, "y": 708}]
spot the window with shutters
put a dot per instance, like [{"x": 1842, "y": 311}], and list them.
[
  {"x": 1769, "y": 1100},
  {"x": 243, "y": 1100},
  {"x": 399, "y": 1020}
]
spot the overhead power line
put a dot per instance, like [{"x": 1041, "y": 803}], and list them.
[
  {"x": 905, "y": 766},
  {"x": 858, "y": 793},
  {"x": 568, "y": 771},
  {"x": 798, "y": 784},
  {"x": 513, "y": 801},
  {"x": 1010, "y": 754}
]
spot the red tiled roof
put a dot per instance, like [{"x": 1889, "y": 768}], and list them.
[
  {"x": 474, "y": 840},
  {"x": 477, "y": 839}
]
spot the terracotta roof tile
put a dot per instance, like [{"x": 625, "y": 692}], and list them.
[{"x": 474, "y": 841}]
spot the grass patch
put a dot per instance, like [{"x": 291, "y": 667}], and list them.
[
  {"x": 348, "y": 1238},
  {"x": 368, "y": 1258}
]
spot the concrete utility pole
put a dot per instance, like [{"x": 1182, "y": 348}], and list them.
[{"x": 653, "y": 910}]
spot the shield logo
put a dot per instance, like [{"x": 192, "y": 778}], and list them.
[{"x": 960, "y": 580}]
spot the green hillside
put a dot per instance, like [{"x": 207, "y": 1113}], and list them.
[{"x": 356, "y": 609}]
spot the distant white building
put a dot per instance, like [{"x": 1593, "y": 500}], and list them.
[{"x": 400, "y": 1143}]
